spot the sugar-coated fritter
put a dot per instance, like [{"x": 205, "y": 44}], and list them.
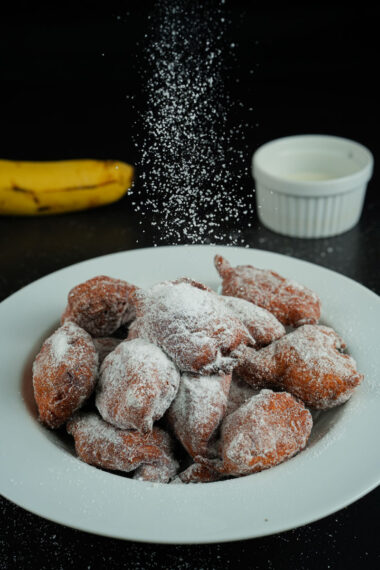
[
  {"x": 198, "y": 473},
  {"x": 100, "y": 444},
  {"x": 137, "y": 384},
  {"x": 218, "y": 371},
  {"x": 291, "y": 303},
  {"x": 100, "y": 305},
  {"x": 191, "y": 325},
  {"x": 265, "y": 431},
  {"x": 307, "y": 363},
  {"x": 198, "y": 409},
  {"x": 157, "y": 473},
  {"x": 163, "y": 471},
  {"x": 64, "y": 374},
  {"x": 261, "y": 324}
]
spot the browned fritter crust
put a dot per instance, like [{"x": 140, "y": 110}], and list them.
[
  {"x": 268, "y": 429},
  {"x": 307, "y": 363},
  {"x": 291, "y": 303},
  {"x": 191, "y": 325},
  {"x": 100, "y": 305},
  {"x": 64, "y": 374},
  {"x": 100, "y": 444}
]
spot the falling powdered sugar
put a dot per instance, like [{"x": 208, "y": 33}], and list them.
[{"x": 191, "y": 170}]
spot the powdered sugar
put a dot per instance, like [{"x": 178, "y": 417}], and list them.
[
  {"x": 318, "y": 347},
  {"x": 197, "y": 410},
  {"x": 293, "y": 304},
  {"x": 94, "y": 429},
  {"x": 69, "y": 343},
  {"x": 103, "y": 445},
  {"x": 157, "y": 473},
  {"x": 136, "y": 386},
  {"x": 193, "y": 327},
  {"x": 263, "y": 326},
  {"x": 197, "y": 473},
  {"x": 268, "y": 429},
  {"x": 64, "y": 373},
  {"x": 59, "y": 344},
  {"x": 306, "y": 363},
  {"x": 190, "y": 168}
]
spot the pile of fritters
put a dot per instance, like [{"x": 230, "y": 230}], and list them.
[{"x": 178, "y": 384}]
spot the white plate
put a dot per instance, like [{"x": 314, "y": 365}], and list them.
[{"x": 40, "y": 473}]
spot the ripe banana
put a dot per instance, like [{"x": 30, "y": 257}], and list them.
[{"x": 38, "y": 188}]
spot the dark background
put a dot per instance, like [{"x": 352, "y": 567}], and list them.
[{"x": 304, "y": 68}]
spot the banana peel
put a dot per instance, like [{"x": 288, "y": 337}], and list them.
[{"x": 42, "y": 188}]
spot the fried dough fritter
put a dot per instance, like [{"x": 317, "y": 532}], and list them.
[
  {"x": 64, "y": 374},
  {"x": 137, "y": 384},
  {"x": 307, "y": 363},
  {"x": 100, "y": 444},
  {"x": 291, "y": 303},
  {"x": 198, "y": 409},
  {"x": 100, "y": 305},
  {"x": 268, "y": 429},
  {"x": 191, "y": 325}
]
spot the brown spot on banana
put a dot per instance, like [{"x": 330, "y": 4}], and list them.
[
  {"x": 67, "y": 189},
  {"x": 15, "y": 188}
]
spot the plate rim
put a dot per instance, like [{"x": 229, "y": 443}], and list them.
[{"x": 190, "y": 246}]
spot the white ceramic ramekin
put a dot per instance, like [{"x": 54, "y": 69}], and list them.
[{"x": 311, "y": 186}]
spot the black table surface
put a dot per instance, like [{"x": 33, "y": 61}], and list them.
[{"x": 314, "y": 75}]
